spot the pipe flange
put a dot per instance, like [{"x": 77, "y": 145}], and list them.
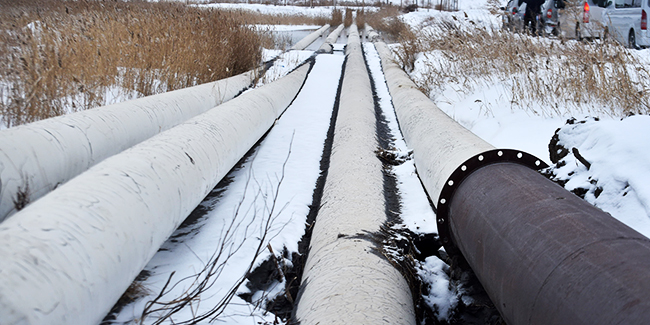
[{"x": 466, "y": 169}]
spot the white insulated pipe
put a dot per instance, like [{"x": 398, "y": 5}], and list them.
[
  {"x": 331, "y": 39},
  {"x": 68, "y": 257},
  {"x": 439, "y": 143},
  {"x": 346, "y": 280},
  {"x": 307, "y": 40},
  {"x": 371, "y": 33},
  {"x": 36, "y": 158}
]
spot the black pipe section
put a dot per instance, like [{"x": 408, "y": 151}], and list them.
[{"x": 544, "y": 255}]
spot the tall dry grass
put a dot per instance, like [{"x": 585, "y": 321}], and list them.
[
  {"x": 62, "y": 56},
  {"x": 337, "y": 17},
  {"x": 348, "y": 18},
  {"x": 541, "y": 72},
  {"x": 386, "y": 21}
]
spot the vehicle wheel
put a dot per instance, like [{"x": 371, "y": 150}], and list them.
[
  {"x": 606, "y": 34},
  {"x": 578, "y": 35},
  {"x": 631, "y": 40}
]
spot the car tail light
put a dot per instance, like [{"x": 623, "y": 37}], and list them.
[
  {"x": 585, "y": 14},
  {"x": 549, "y": 14},
  {"x": 644, "y": 20}
]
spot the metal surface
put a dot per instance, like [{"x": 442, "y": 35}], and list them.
[
  {"x": 546, "y": 256},
  {"x": 466, "y": 169}
]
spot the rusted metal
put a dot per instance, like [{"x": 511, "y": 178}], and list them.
[
  {"x": 546, "y": 256},
  {"x": 465, "y": 169}
]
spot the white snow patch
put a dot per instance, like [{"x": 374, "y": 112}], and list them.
[
  {"x": 433, "y": 272},
  {"x": 619, "y": 154}
]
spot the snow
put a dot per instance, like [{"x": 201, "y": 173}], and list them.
[
  {"x": 434, "y": 272},
  {"x": 619, "y": 154},
  {"x": 618, "y": 165}
]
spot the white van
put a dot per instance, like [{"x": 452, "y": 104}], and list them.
[{"x": 624, "y": 20}]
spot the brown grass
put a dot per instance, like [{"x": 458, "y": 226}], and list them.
[
  {"x": 543, "y": 72},
  {"x": 361, "y": 19},
  {"x": 386, "y": 21},
  {"x": 347, "y": 19},
  {"x": 62, "y": 56},
  {"x": 337, "y": 18}
]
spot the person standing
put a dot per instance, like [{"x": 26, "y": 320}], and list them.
[{"x": 533, "y": 8}]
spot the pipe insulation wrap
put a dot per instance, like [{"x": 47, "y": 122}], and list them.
[
  {"x": 346, "y": 280},
  {"x": 544, "y": 255},
  {"x": 307, "y": 40},
  {"x": 327, "y": 47},
  {"x": 439, "y": 144},
  {"x": 68, "y": 257},
  {"x": 36, "y": 158}
]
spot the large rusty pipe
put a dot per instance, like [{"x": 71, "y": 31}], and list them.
[
  {"x": 543, "y": 255},
  {"x": 546, "y": 256}
]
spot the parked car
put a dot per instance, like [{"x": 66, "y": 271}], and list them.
[
  {"x": 550, "y": 17},
  {"x": 628, "y": 22},
  {"x": 513, "y": 16},
  {"x": 594, "y": 22},
  {"x": 624, "y": 20}
]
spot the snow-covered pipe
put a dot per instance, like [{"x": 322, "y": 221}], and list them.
[
  {"x": 67, "y": 258},
  {"x": 307, "y": 40},
  {"x": 543, "y": 255},
  {"x": 371, "y": 33},
  {"x": 36, "y": 158},
  {"x": 439, "y": 144},
  {"x": 346, "y": 281},
  {"x": 327, "y": 47}
]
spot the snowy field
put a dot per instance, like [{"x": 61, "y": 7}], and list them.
[{"x": 258, "y": 212}]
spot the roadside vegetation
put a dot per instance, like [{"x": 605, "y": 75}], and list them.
[
  {"x": 546, "y": 76},
  {"x": 58, "y": 57}
]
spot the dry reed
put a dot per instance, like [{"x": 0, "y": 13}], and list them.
[
  {"x": 543, "y": 73},
  {"x": 348, "y": 18},
  {"x": 62, "y": 56}
]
